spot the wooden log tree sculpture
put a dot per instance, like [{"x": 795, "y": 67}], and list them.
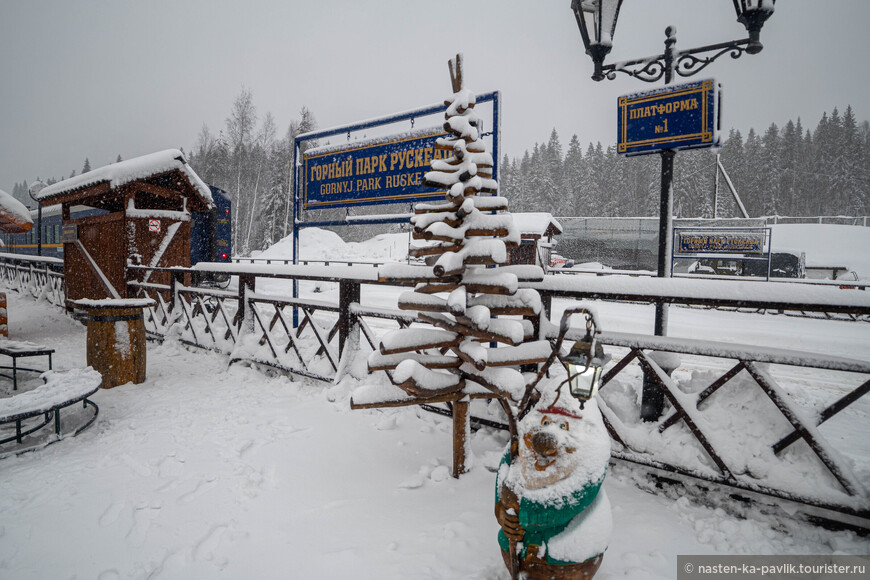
[{"x": 462, "y": 291}]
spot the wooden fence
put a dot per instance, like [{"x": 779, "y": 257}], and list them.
[{"x": 317, "y": 338}]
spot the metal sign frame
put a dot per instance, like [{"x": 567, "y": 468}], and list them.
[
  {"x": 412, "y": 115},
  {"x": 724, "y": 243},
  {"x": 674, "y": 117},
  {"x": 381, "y": 171}
]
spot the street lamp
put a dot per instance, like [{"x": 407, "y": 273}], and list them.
[
  {"x": 598, "y": 18},
  {"x": 597, "y": 22},
  {"x": 34, "y": 190}
]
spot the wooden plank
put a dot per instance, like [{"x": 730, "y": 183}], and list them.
[
  {"x": 436, "y": 250},
  {"x": 427, "y": 395},
  {"x": 703, "y": 395},
  {"x": 465, "y": 327},
  {"x": 379, "y": 362},
  {"x": 159, "y": 191},
  {"x": 826, "y": 414},
  {"x": 422, "y": 345},
  {"x": 664, "y": 381},
  {"x": 404, "y": 402},
  {"x": 769, "y": 387}
]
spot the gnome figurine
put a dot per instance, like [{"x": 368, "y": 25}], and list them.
[{"x": 554, "y": 514}]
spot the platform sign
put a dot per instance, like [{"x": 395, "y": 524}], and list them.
[
  {"x": 674, "y": 117},
  {"x": 375, "y": 171}
]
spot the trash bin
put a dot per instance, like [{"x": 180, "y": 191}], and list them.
[{"x": 116, "y": 339}]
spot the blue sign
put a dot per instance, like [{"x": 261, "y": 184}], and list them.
[
  {"x": 378, "y": 171},
  {"x": 674, "y": 117},
  {"x": 690, "y": 242}
]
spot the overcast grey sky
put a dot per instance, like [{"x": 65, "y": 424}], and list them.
[{"x": 98, "y": 78}]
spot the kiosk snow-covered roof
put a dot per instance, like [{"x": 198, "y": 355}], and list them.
[
  {"x": 14, "y": 216},
  {"x": 541, "y": 224},
  {"x": 155, "y": 178}
]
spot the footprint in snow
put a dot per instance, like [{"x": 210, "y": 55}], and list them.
[
  {"x": 201, "y": 487},
  {"x": 138, "y": 467},
  {"x": 110, "y": 516},
  {"x": 142, "y": 518},
  {"x": 170, "y": 467},
  {"x": 207, "y": 546}
]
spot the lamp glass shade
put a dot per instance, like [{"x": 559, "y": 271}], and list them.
[
  {"x": 597, "y": 20},
  {"x": 583, "y": 381},
  {"x": 747, "y": 8}
]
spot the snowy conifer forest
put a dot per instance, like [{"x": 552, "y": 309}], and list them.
[
  {"x": 823, "y": 170},
  {"x": 820, "y": 171}
]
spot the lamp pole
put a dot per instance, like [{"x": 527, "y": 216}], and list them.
[
  {"x": 597, "y": 22},
  {"x": 34, "y": 190}
]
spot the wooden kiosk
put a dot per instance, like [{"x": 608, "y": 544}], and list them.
[
  {"x": 537, "y": 230},
  {"x": 134, "y": 212}
]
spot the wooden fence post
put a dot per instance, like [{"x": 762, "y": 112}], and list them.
[
  {"x": 247, "y": 285},
  {"x": 461, "y": 435},
  {"x": 348, "y": 293}
]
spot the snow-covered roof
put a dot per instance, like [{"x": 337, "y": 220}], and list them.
[
  {"x": 536, "y": 223},
  {"x": 123, "y": 172},
  {"x": 14, "y": 216}
]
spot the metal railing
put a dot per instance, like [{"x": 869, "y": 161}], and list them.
[
  {"x": 40, "y": 277},
  {"x": 318, "y": 338}
]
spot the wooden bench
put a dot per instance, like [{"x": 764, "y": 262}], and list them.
[
  {"x": 16, "y": 349},
  {"x": 61, "y": 389}
]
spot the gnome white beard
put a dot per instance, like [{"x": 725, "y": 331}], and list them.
[{"x": 539, "y": 470}]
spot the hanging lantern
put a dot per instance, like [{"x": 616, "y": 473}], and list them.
[
  {"x": 585, "y": 360},
  {"x": 597, "y": 22},
  {"x": 752, "y": 14}
]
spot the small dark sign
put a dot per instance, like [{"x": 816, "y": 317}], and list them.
[
  {"x": 675, "y": 117},
  {"x": 69, "y": 233},
  {"x": 378, "y": 171}
]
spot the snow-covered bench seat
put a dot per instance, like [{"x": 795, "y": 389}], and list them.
[{"x": 61, "y": 389}]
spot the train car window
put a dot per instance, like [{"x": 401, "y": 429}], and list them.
[{"x": 57, "y": 234}]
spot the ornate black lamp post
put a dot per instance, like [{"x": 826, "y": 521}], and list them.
[
  {"x": 597, "y": 22},
  {"x": 34, "y": 190}
]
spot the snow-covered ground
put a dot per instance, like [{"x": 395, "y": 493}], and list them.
[{"x": 208, "y": 470}]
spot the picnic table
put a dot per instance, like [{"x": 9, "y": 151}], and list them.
[{"x": 16, "y": 349}]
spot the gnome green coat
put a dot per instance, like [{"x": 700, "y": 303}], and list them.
[{"x": 550, "y": 498}]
